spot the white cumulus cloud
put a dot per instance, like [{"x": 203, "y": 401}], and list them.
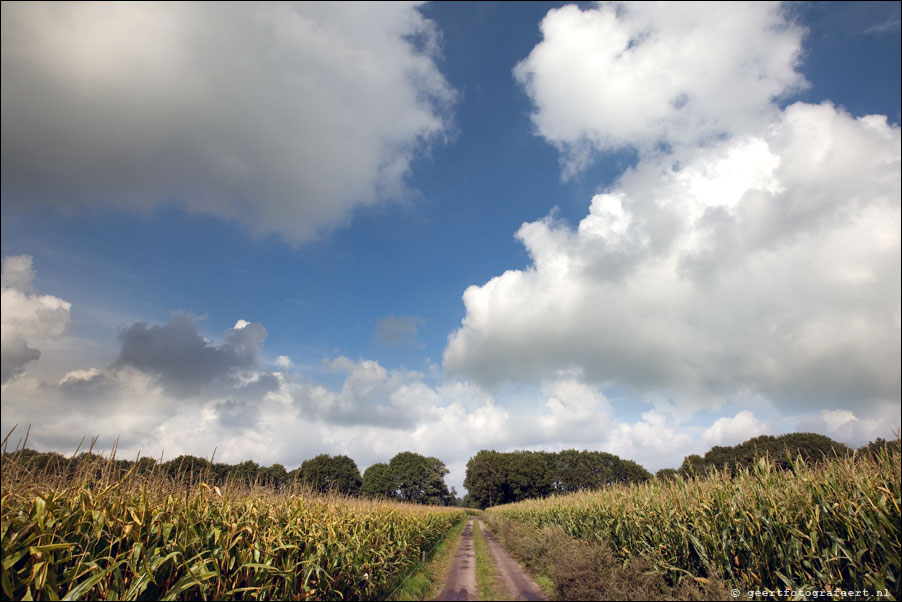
[
  {"x": 768, "y": 263},
  {"x": 753, "y": 251},
  {"x": 732, "y": 431},
  {"x": 641, "y": 74},
  {"x": 26, "y": 316}
]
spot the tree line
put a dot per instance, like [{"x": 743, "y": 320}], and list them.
[
  {"x": 782, "y": 450},
  {"x": 407, "y": 476},
  {"x": 492, "y": 477},
  {"x": 495, "y": 478},
  {"x": 500, "y": 478}
]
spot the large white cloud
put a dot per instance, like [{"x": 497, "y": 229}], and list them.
[
  {"x": 26, "y": 316},
  {"x": 642, "y": 74},
  {"x": 574, "y": 411},
  {"x": 654, "y": 441},
  {"x": 172, "y": 391},
  {"x": 767, "y": 264},
  {"x": 371, "y": 414},
  {"x": 732, "y": 431},
  {"x": 284, "y": 116},
  {"x": 752, "y": 252}
]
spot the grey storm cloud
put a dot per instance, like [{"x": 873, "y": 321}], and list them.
[
  {"x": 284, "y": 117},
  {"x": 235, "y": 414},
  {"x": 257, "y": 388},
  {"x": 87, "y": 385},
  {"x": 15, "y": 354},
  {"x": 242, "y": 408},
  {"x": 184, "y": 360}
]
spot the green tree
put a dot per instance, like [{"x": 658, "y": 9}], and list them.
[
  {"x": 420, "y": 479},
  {"x": 188, "y": 469},
  {"x": 485, "y": 479},
  {"x": 692, "y": 465},
  {"x": 379, "y": 482},
  {"x": 338, "y": 474},
  {"x": 145, "y": 465},
  {"x": 526, "y": 476},
  {"x": 275, "y": 476},
  {"x": 880, "y": 446},
  {"x": 782, "y": 451},
  {"x": 632, "y": 472},
  {"x": 246, "y": 472},
  {"x": 666, "y": 474},
  {"x": 221, "y": 470},
  {"x": 571, "y": 471},
  {"x": 499, "y": 478}
]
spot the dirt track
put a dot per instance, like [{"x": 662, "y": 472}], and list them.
[
  {"x": 519, "y": 585},
  {"x": 461, "y": 583}
]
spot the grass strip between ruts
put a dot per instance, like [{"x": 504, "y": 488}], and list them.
[{"x": 488, "y": 578}]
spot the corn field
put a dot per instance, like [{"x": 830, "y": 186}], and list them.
[
  {"x": 149, "y": 539},
  {"x": 832, "y": 526}
]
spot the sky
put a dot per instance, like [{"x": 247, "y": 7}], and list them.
[{"x": 281, "y": 230}]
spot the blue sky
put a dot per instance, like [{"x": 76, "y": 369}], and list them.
[{"x": 668, "y": 247}]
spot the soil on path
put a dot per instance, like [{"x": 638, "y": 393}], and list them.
[
  {"x": 461, "y": 584},
  {"x": 519, "y": 585}
]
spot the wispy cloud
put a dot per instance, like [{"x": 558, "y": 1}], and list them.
[{"x": 888, "y": 26}]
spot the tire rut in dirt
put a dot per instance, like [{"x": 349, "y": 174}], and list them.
[
  {"x": 520, "y": 585},
  {"x": 461, "y": 583}
]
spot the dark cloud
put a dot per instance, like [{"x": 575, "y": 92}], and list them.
[
  {"x": 243, "y": 407},
  {"x": 237, "y": 414},
  {"x": 87, "y": 384},
  {"x": 257, "y": 388},
  {"x": 370, "y": 413},
  {"x": 14, "y": 354},
  {"x": 397, "y": 330},
  {"x": 284, "y": 117},
  {"x": 185, "y": 361}
]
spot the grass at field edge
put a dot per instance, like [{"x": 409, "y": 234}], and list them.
[{"x": 426, "y": 581}]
